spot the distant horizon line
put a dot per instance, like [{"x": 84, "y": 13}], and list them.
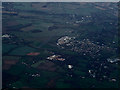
[{"x": 59, "y": 0}]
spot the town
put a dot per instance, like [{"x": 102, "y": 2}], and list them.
[{"x": 85, "y": 47}]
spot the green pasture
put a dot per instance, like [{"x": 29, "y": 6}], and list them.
[{"x": 22, "y": 50}]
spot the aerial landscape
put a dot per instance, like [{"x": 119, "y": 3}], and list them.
[{"x": 60, "y": 45}]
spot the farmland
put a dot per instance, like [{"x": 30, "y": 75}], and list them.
[{"x": 41, "y": 40}]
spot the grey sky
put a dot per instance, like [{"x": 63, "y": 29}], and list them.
[{"x": 59, "y": 0}]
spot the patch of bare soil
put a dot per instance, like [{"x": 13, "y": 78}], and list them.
[
  {"x": 12, "y": 23},
  {"x": 49, "y": 66},
  {"x": 29, "y": 28},
  {"x": 101, "y": 8},
  {"x": 8, "y": 63},
  {"x": 51, "y": 83}
]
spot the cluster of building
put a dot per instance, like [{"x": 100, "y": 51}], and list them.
[
  {"x": 113, "y": 60},
  {"x": 86, "y": 47},
  {"x": 83, "y": 19},
  {"x": 55, "y": 57},
  {"x": 64, "y": 40},
  {"x": 33, "y": 75},
  {"x": 7, "y": 10},
  {"x": 5, "y": 36}
]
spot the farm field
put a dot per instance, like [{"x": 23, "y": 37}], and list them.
[{"x": 60, "y": 45}]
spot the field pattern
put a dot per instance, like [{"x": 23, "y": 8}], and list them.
[{"x": 60, "y": 45}]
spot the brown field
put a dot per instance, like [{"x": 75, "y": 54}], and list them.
[
  {"x": 49, "y": 66},
  {"x": 100, "y": 8},
  {"x": 12, "y": 23},
  {"x": 29, "y": 28},
  {"x": 8, "y": 63},
  {"x": 51, "y": 83},
  {"x": 33, "y": 54}
]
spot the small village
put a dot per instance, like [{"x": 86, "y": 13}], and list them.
[
  {"x": 113, "y": 60},
  {"x": 85, "y": 47}
]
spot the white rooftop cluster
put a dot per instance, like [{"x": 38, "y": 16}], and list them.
[
  {"x": 113, "y": 60},
  {"x": 55, "y": 57},
  {"x": 35, "y": 75},
  {"x": 113, "y": 80},
  {"x": 64, "y": 40},
  {"x": 5, "y": 36}
]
